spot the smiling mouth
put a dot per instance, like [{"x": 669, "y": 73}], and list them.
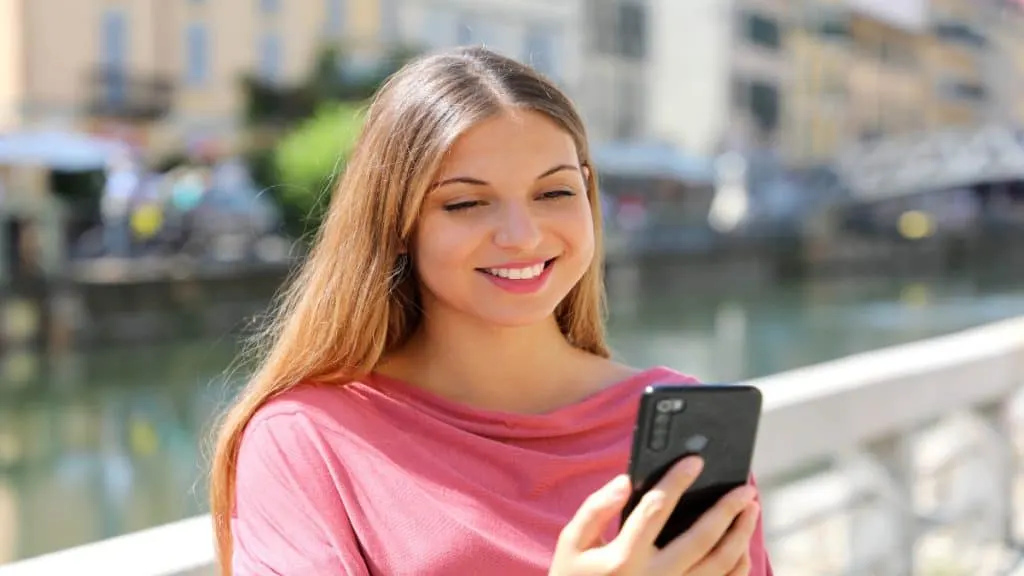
[{"x": 526, "y": 273}]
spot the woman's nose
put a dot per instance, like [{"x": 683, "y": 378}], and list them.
[{"x": 518, "y": 230}]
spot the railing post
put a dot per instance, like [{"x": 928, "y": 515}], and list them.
[
  {"x": 1001, "y": 457},
  {"x": 884, "y": 535}
]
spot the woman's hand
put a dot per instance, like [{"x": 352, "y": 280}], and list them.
[{"x": 717, "y": 545}]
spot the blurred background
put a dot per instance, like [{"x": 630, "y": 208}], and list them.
[{"x": 785, "y": 183}]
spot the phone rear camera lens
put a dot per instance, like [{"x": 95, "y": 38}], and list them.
[
  {"x": 669, "y": 405},
  {"x": 662, "y": 419}
]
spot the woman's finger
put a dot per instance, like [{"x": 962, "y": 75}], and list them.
[
  {"x": 649, "y": 517},
  {"x": 732, "y": 548},
  {"x": 692, "y": 547},
  {"x": 595, "y": 515}
]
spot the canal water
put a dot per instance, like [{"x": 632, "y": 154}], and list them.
[{"x": 92, "y": 446}]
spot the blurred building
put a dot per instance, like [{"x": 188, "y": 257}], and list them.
[
  {"x": 719, "y": 73},
  {"x": 958, "y": 55},
  {"x": 543, "y": 34},
  {"x": 616, "y": 68},
  {"x": 1006, "y": 68},
  {"x": 818, "y": 114},
  {"x": 761, "y": 71},
  {"x": 860, "y": 74},
  {"x": 876, "y": 68},
  {"x": 160, "y": 70}
]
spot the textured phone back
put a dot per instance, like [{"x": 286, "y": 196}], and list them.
[{"x": 718, "y": 422}]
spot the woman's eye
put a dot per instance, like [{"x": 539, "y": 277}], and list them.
[
  {"x": 557, "y": 194},
  {"x": 456, "y": 206}
]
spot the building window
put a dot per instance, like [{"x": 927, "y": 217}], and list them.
[
  {"x": 632, "y": 31},
  {"x": 270, "y": 57},
  {"x": 334, "y": 19},
  {"x": 762, "y": 100},
  {"x": 763, "y": 31},
  {"x": 197, "y": 54},
  {"x": 540, "y": 49},
  {"x": 765, "y": 106},
  {"x": 114, "y": 46},
  {"x": 617, "y": 28},
  {"x": 270, "y": 6},
  {"x": 601, "y": 27}
]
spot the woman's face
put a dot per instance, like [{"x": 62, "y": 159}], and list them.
[{"x": 505, "y": 231}]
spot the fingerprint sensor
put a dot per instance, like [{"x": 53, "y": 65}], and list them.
[{"x": 696, "y": 443}]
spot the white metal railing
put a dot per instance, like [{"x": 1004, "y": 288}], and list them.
[
  {"x": 858, "y": 439},
  {"x": 884, "y": 425},
  {"x": 183, "y": 548}
]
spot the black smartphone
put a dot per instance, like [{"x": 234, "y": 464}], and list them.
[{"x": 718, "y": 422}]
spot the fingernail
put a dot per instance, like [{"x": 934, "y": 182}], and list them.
[
  {"x": 747, "y": 493},
  {"x": 692, "y": 466}
]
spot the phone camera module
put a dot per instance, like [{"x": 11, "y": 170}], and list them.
[
  {"x": 659, "y": 440},
  {"x": 662, "y": 422}
]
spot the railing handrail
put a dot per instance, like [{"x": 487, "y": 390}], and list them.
[
  {"x": 815, "y": 411},
  {"x": 809, "y": 413},
  {"x": 175, "y": 549}
]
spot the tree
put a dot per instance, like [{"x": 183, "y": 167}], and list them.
[
  {"x": 304, "y": 133},
  {"x": 309, "y": 159}
]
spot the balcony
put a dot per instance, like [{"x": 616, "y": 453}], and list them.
[
  {"x": 121, "y": 94},
  {"x": 957, "y": 30}
]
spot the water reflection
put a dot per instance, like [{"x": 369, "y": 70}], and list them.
[
  {"x": 114, "y": 448},
  {"x": 733, "y": 338},
  {"x": 96, "y": 445}
]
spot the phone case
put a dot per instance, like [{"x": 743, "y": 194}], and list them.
[{"x": 719, "y": 422}]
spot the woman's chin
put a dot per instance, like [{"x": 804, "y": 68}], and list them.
[{"x": 515, "y": 319}]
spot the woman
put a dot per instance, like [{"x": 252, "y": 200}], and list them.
[{"x": 437, "y": 397}]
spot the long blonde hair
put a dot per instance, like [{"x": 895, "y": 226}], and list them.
[{"x": 350, "y": 302}]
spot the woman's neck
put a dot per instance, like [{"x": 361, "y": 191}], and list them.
[{"x": 530, "y": 369}]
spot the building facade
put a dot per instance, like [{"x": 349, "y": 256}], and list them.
[
  {"x": 159, "y": 70},
  {"x": 688, "y": 98},
  {"x": 959, "y": 55},
  {"x": 718, "y": 74},
  {"x": 860, "y": 74},
  {"x": 818, "y": 114},
  {"x": 762, "y": 72},
  {"x": 868, "y": 68},
  {"x": 1006, "y": 67},
  {"x": 615, "y": 68},
  {"x": 543, "y": 34}
]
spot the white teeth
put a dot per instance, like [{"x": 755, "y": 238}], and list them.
[{"x": 517, "y": 273}]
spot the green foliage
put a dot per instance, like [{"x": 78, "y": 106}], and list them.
[
  {"x": 306, "y": 131},
  {"x": 308, "y": 159}
]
